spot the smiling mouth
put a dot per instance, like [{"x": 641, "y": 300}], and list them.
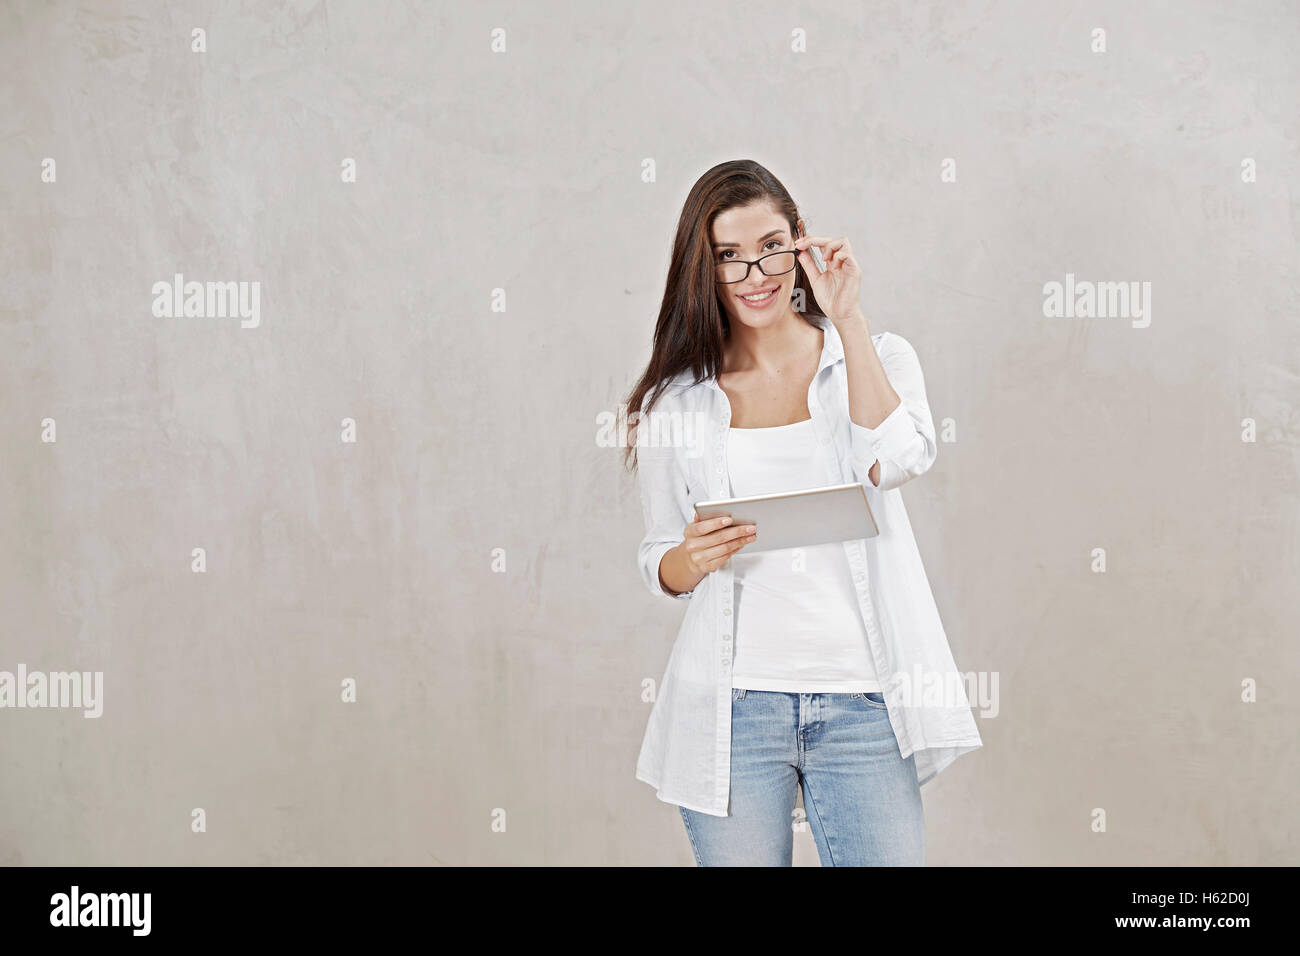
[{"x": 759, "y": 296}]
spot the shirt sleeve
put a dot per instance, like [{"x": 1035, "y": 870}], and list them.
[
  {"x": 664, "y": 496},
  {"x": 904, "y": 443}
]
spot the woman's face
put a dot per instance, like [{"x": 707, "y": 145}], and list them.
[{"x": 746, "y": 233}]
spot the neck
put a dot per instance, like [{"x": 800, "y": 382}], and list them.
[{"x": 771, "y": 348}]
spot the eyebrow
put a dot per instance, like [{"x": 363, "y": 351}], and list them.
[{"x": 761, "y": 239}]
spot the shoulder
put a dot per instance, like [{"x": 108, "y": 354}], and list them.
[
  {"x": 676, "y": 395},
  {"x": 680, "y": 380},
  {"x": 883, "y": 341},
  {"x": 888, "y": 345},
  {"x": 683, "y": 388},
  {"x": 893, "y": 345}
]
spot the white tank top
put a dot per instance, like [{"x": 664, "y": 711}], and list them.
[{"x": 798, "y": 627}]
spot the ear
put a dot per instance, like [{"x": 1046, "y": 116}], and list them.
[{"x": 801, "y": 227}]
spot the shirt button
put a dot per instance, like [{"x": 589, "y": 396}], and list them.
[{"x": 726, "y": 611}]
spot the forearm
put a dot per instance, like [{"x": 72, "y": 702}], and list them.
[
  {"x": 871, "y": 397},
  {"x": 890, "y": 427}
]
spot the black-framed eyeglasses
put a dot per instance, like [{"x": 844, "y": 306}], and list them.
[{"x": 779, "y": 263}]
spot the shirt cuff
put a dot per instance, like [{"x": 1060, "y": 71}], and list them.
[{"x": 886, "y": 441}]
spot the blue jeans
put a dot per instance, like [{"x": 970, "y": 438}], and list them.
[{"x": 861, "y": 797}]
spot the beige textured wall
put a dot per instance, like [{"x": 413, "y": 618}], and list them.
[{"x": 476, "y": 430}]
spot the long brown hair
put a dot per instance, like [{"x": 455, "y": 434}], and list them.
[{"x": 693, "y": 324}]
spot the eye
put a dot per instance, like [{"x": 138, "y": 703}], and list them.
[
  {"x": 724, "y": 252},
  {"x": 771, "y": 241}
]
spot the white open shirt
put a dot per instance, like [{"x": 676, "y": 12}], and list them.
[{"x": 682, "y": 458}]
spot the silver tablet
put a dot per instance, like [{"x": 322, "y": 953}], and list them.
[{"x": 794, "y": 519}]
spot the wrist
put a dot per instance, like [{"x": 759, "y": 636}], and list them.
[{"x": 679, "y": 572}]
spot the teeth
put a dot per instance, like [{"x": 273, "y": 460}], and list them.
[{"x": 756, "y": 298}]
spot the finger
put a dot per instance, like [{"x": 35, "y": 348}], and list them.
[
  {"x": 729, "y": 550},
  {"x": 845, "y": 260},
  {"x": 711, "y": 557},
  {"x": 834, "y": 251},
  {"x": 724, "y": 551},
  {"x": 823, "y": 243},
  {"x": 726, "y": 534},
  {"x": 805, "y": 241},
  {"x": 707, "y": 526},
  {"x": 809, "y": 263}
]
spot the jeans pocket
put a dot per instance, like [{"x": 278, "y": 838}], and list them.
[{"x": 871, "y": 698}]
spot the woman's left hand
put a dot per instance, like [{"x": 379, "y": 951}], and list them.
[{"x": 838, "y": 288}]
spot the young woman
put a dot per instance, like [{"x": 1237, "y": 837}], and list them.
[{"x": 825, "y": 667}]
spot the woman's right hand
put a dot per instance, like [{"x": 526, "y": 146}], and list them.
[{"x": 709, "y": 543}]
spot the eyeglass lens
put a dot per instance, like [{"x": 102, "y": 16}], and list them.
[{"x": 775, "y": 264}]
